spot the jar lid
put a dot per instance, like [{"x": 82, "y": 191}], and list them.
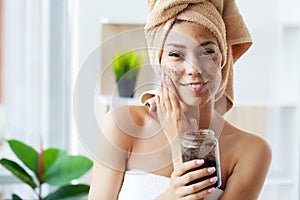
[{"x": 199, "y": 133}]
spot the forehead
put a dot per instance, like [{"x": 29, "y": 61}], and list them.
[{"x": 190, "y": 32}]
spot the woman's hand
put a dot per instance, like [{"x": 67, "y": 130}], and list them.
[
  {"x": 168, "y": 109},
  {"x": 170, "y": 115},
  {"x": 186, "y": 173},
  {"x": 172, "y": 120}
]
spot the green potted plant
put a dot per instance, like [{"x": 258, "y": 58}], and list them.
[
  {"x": 126, "y": 67},
  {"x": 51, "y": 166}
]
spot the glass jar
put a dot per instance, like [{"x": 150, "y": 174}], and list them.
[{"x": 202, "y": 144}]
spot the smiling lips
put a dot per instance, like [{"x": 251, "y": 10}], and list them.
[{"x": 196, "y": 87}]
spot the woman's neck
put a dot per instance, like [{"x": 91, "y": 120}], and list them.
[
  {"x": 202, "y": 114},
  {"x": 206, "y": 116}
]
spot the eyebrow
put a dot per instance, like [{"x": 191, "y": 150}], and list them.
[
  {"x": 181, "y": 46},
  {"x": 207, "y": 43}
]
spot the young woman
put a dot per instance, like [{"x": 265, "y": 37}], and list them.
[{"x": 144, "y": 158}]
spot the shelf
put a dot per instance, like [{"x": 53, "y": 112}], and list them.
[
  {"x": 116, "y": 101},
  {"x": 290, "y": 24},
  {"x": 267, "y": 103},
  {"x": 278, "y": 179},
  {"x": 118, "y": 21}
]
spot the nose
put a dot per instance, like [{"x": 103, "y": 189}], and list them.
[{"x": 193, "y": 68}]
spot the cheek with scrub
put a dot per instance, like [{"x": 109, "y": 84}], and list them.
[
  {"x": 217, "y": 59},
  {"x": 171, "y": 72}
]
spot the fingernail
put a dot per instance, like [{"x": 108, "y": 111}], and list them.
[
  {"x": 200, "y": 162},
  {"x": 213, "y": 180},
  {"x": 211, "y": 169},
  {"x": 210, "y": 190}
]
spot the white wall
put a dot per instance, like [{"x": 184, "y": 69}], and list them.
[
  {"x": 262, "y": 58},
  {"x": 269, "y": 71}
]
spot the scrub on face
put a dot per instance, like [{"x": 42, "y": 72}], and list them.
[
  {"x": 208, "y": 70},
  {"x": 191, "y": 47},
  {"x": 171, "y": 72}
]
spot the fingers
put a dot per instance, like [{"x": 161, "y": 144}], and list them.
[
  {"x": 193, "y": 176},
  {"x": 187, "y": 166},
  {"x": 173, "y": 98},
  {"x": 199, "y": 195},
  {"x": 167, "y": 95},
  {"x": 192, "y": 182},
  {"x": 168, "y": 105},
  {"x": 190, "y": 171}
]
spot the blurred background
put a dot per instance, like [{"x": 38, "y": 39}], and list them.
[{"x": 44, "y": 44}]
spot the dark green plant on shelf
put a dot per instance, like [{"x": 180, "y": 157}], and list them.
[
  {"x": 126, "y": 67},
  {"x": 51, "y": 166}
]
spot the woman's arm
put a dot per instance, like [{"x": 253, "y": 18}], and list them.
[
  {"x": 106, "y": 182},
  {"x": 251, "y": 168},
  {"x": 173, "y": 122},
  {"x": 110, "y": 159}
]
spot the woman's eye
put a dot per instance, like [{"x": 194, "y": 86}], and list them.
[
  {"x": 207, "y": 52},
  {"x": 175, "y": 54}
]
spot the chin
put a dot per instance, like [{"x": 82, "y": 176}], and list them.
[{"x": 195, "y": 101}]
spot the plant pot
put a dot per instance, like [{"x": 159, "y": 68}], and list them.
[{"x": 126, "y": 87}]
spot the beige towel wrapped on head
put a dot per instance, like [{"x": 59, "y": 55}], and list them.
[{"x": 221, "y": 17}]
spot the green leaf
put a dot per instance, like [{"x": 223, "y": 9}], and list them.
[
  {"x": 18, "y": 171},
  {"x": 126, "y": 62},
  {"x": 69, "y": 192},
  {"x": 16, "y": 197},
  {"x": 66, "y": 168},
  {"x": 50, "y": 155},
  {"x": 132, "y": 60},
  {"x": 26, "y": 154}
]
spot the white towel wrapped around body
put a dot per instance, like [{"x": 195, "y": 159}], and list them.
[{"x": 138, "y": 184}]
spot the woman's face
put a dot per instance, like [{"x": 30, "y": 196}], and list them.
[{"x": 192, "y": 60}]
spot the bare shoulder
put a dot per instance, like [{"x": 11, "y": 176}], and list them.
[
  {"x": 114, "y": 146},
  {"x": 252, "y": 145},
  {"x": 120, "y": 125},
  {"x": 247, "y": 146},
  {"x": 129, "y": 115},
  {"x": 249, "y": 157}
]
